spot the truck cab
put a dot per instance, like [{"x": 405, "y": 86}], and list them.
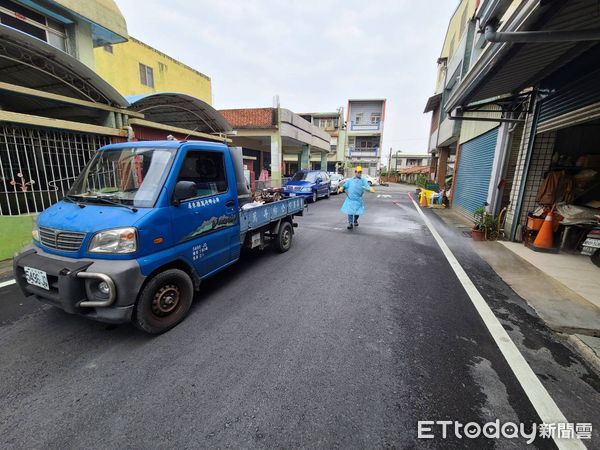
[{"x": 140, "y": 228}]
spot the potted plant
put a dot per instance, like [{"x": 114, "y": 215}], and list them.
[{"x": 478, "y": 232}]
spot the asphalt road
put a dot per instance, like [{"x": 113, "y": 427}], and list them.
[{"x": 345, "y": 341}]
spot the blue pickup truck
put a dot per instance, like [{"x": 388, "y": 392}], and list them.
[{"x": 142, "y": 226}]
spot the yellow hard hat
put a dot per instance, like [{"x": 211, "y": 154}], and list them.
[{"x": 358, "y": 169}]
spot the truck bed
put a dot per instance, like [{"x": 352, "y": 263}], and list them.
[{"x": 253, "y": 218}]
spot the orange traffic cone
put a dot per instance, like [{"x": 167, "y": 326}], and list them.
[
  {"x": 423, "y": 199},
  {"x": 544, "y": 238}
]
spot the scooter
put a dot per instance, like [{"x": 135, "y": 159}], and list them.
[{"x": 591, "y": 245}]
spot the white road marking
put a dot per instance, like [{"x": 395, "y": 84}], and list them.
[
  {"x": 539, "y": 397},
  {"x": 7, "y": 283},
  {"x": 383, "y": 196}
]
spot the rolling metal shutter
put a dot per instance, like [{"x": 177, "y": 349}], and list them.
[
  {"x": 474, "y": 172},
  {"x": 574, "y": 103},
  {"x": 584, "y": 92}
]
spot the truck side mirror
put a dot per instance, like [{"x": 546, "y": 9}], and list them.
[{"x": 183, "y": 191}]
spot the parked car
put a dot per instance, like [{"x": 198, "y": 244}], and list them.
[
  {"x": 310, "y": 184},
  {"x": 336, "y": 181},
  {"x": 373, "y": 181}
]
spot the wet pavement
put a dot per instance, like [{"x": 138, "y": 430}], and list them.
[{"x": 347, "y": 340}]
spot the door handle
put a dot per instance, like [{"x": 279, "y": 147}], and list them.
[{"x": 229, "y": 203}]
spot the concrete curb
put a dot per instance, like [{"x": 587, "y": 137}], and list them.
[
  {"x": 584, "y": 350},
  {"x": 6, "y": 269}
]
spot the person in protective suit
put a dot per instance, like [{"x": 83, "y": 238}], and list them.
[{"x": 354, "y": 205}]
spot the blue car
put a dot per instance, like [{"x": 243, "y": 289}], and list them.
[{"x": 310, "y": 184}]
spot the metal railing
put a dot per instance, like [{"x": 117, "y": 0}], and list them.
[
  {"x": 363, "y": 151},
  {"x": 365, "y": 126},
  {"x": 38, "y": 166}
]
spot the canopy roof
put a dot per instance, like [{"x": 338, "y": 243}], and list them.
[
  {"x": 30, "y": 62},
  {"x": 180, "y": 110}
]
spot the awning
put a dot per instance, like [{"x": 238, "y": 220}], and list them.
[
  {"x": 30, "y": 62},
  {"x": 506, "y": 68},
  {"x": 106, "y": 21},
  {"x": 433, "y": 102},
  {"x": 180, "y": 110}
]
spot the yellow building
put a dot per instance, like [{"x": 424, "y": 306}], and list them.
[{"x": 136, "y": 68}]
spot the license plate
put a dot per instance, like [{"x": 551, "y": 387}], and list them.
[
  {"x": 36, "y": 277},
  {"x": 589, "y": 242},
  {"x": 292, "y": 194}
]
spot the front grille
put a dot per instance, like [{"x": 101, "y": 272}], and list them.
[{"x": 68, "y": 241}]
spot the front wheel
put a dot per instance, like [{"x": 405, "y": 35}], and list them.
[
  {"x": 314, "y": 197},
  {"x": 164, "y": 301},
  {"x": 283, "y": 241}
]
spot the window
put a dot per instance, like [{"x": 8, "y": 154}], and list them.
[
  {"x": 358, "y": 118},
  {"x": 146, "y": 75},
  {"x": 375, "y": 118},
  {"x": 33, "y": 23},
  {"x": 108, "y": 48},
  {"x": 207, "y": 170},
  {"x": 162, "y": 67}
]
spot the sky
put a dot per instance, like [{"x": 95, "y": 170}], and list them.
[{"x": 313, "y": 54}]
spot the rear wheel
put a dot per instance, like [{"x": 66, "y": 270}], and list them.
[
  {"x": 283, "y": 241},
  {"x": 164, "y": 301},
  {"x": 596, "y": 258}
]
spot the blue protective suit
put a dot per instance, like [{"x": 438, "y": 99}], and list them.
[{"x": 355, "y": 188}]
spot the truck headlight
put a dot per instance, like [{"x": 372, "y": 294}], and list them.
[
  {"x": 117, "y": 240},
  {"x": 35, "y": 230}
]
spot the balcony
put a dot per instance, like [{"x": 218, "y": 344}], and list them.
[
  {"x": 363, "y": 152},
  {"x": 365, "y": 127}
]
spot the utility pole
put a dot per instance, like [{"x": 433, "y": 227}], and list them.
[{"x": 389, "y": 167}]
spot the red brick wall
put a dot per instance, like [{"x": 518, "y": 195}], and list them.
[{"x": 249, "y": 118}]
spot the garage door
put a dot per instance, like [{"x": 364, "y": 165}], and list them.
[{"x": 474, "y": 172}]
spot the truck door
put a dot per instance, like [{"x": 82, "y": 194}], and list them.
[{"x": 206, "y": 226}]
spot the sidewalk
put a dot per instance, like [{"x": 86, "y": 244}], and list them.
[{"x": 562, "y": 288}]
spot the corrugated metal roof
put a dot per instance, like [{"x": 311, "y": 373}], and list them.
[{"x": 526, "y": 64}]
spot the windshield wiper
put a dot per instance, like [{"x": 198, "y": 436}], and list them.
[
  {"x": 111, "y": 202},
  {"x": 72, "y": 198}
]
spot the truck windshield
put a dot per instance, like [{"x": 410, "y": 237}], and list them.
[
  {"x": 128, "y": 176},
  {"x": 305, "y": 176}
]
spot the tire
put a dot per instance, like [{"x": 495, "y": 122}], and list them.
[
  {"x": 164, "y": 301},
  {"x": 283, "y": 241},
  {"x": 596, "y": 258},
  {"x": 314, "y": 197},
  {"x": 328, "y": 194}
]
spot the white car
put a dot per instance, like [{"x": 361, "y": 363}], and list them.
[
  {"x": 336, "y": 181},
  {"x": 371, "y": 180}
]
